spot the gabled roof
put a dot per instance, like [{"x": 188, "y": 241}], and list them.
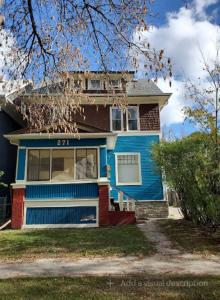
[{"x": 143, "y": 87}]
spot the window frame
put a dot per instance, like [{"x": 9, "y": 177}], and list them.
[
  {"x": 62, "y": 148},
  {"x": 90, "y": 87},
  {"x": 138, "y": 118},
  {"x": 139, "y": 166},
  {"x": 116, "y": 87},
  {"x": 111, "y": 119},
  {"x": 27, "y": 161}
]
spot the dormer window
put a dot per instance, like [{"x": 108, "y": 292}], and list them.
[
  {"x": 132, "y": 118},
  {"x": 115, "y": 84},
  {"x": 95, "y": 84},
  {"x": 117, "y": 119}
]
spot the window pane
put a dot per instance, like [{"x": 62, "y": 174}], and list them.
[
  {"x": 132, "y": 125},
  {"x": 38, "y": 165},
  {"x": 86, "y": 164},
  {"x": 33, "y": 165},
  {"x": 95, "y": 84},
  {"x": 132, "y": 118},
  {"x": 44, "y": 169},
  {"x": 114, "y": 83},
  {"x": 116, "y": 125},
  {"x": 116, "y": 114},
  {"x": 116, "y": 119},
  {"x": 63, "y": 165},
  {"x": 128, "y": 169}
]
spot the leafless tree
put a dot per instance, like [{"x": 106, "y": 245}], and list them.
[{"x": 53, "y": 37}]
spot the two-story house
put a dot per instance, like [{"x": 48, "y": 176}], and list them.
[{"x": 63, "y": 181}]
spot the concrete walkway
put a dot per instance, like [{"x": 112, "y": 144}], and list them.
[{"x": 183, "y": 264}]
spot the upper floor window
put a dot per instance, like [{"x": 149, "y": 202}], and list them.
[
  {"x": 117, "y": 119},
  {"x": 132, "y": 118},
  {"x": 95, "y": 84}
]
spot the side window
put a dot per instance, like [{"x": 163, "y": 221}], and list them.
[
  {"x": 116, "y": 119},
  {"x": 128, "y": 169}
]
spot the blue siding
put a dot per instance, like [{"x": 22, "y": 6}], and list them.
[
  {"x": 59, "y": 191},
  {"x": 61, "y": 215},
  {"x": 103, "y": 162},
  {"x": 21, "y": 164},
  {"x": 72, "y": 142},
  {"x": 151, "y": 188}
]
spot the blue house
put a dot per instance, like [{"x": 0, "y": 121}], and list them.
[{"x": 107, "y": 176}]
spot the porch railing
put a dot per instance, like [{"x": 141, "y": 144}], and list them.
[{"x": 127, "y": 204}]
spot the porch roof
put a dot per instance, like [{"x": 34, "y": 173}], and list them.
[{"x": 111, "y": 138}]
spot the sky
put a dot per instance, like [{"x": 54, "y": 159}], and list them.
[{"x": 182, "y": 30}]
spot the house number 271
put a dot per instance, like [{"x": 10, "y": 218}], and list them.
[{"x": 62, "y": 142}]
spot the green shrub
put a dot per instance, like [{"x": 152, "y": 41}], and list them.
[{"x": 192, "y": 167}]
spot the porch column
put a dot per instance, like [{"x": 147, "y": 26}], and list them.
[
  {"x": 103, "y": 203},
  {"x": 17, "y": 207}
]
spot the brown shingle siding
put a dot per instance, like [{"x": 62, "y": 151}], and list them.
[
  {"x": 149, "y": 117},
  {"x": 99, "y": 118}
]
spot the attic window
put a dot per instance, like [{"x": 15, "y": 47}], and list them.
[
  {"x": 95, "y": 84},
  {"x": 115, "y": 84}
]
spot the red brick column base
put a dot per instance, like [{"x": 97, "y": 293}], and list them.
[
  {"x": 103, "y": 204},
  {"x": 17, "y": 208}
]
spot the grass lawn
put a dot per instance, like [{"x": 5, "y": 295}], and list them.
[
  {"x": 133, "y": 287},
  {"x": 190, "y": 238},
  {"x": 80, "y": 242}
]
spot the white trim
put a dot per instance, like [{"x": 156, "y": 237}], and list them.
[
  {"x": 17, "y": 161},
  {"x": 122, "y": 119},
  {"x": 61, "y": 202},
  {"x": 60, "y": 226},
  {"x": 138, "y": 118},
  {"x": 52, "y": 136},
  {"x": 140, "y": 133},
  {"x": 116, "y": 168},
  {"x": 145, "y": 201}
]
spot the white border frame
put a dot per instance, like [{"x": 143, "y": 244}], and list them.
[
  {"x": 59, "y": 203},
  {"x": 116, "y": 168},
  {"x": 95, "y": 89},
  {"x": 62, "y": 148}
]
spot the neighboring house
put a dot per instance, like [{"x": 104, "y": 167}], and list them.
[
  {"x": 10, "y": 120},
  {"x": 63, "y": 181}
]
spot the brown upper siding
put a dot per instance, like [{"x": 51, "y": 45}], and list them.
[
  {"x": 149, "y": 117},
  {"x": 99, "y": 118}
]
